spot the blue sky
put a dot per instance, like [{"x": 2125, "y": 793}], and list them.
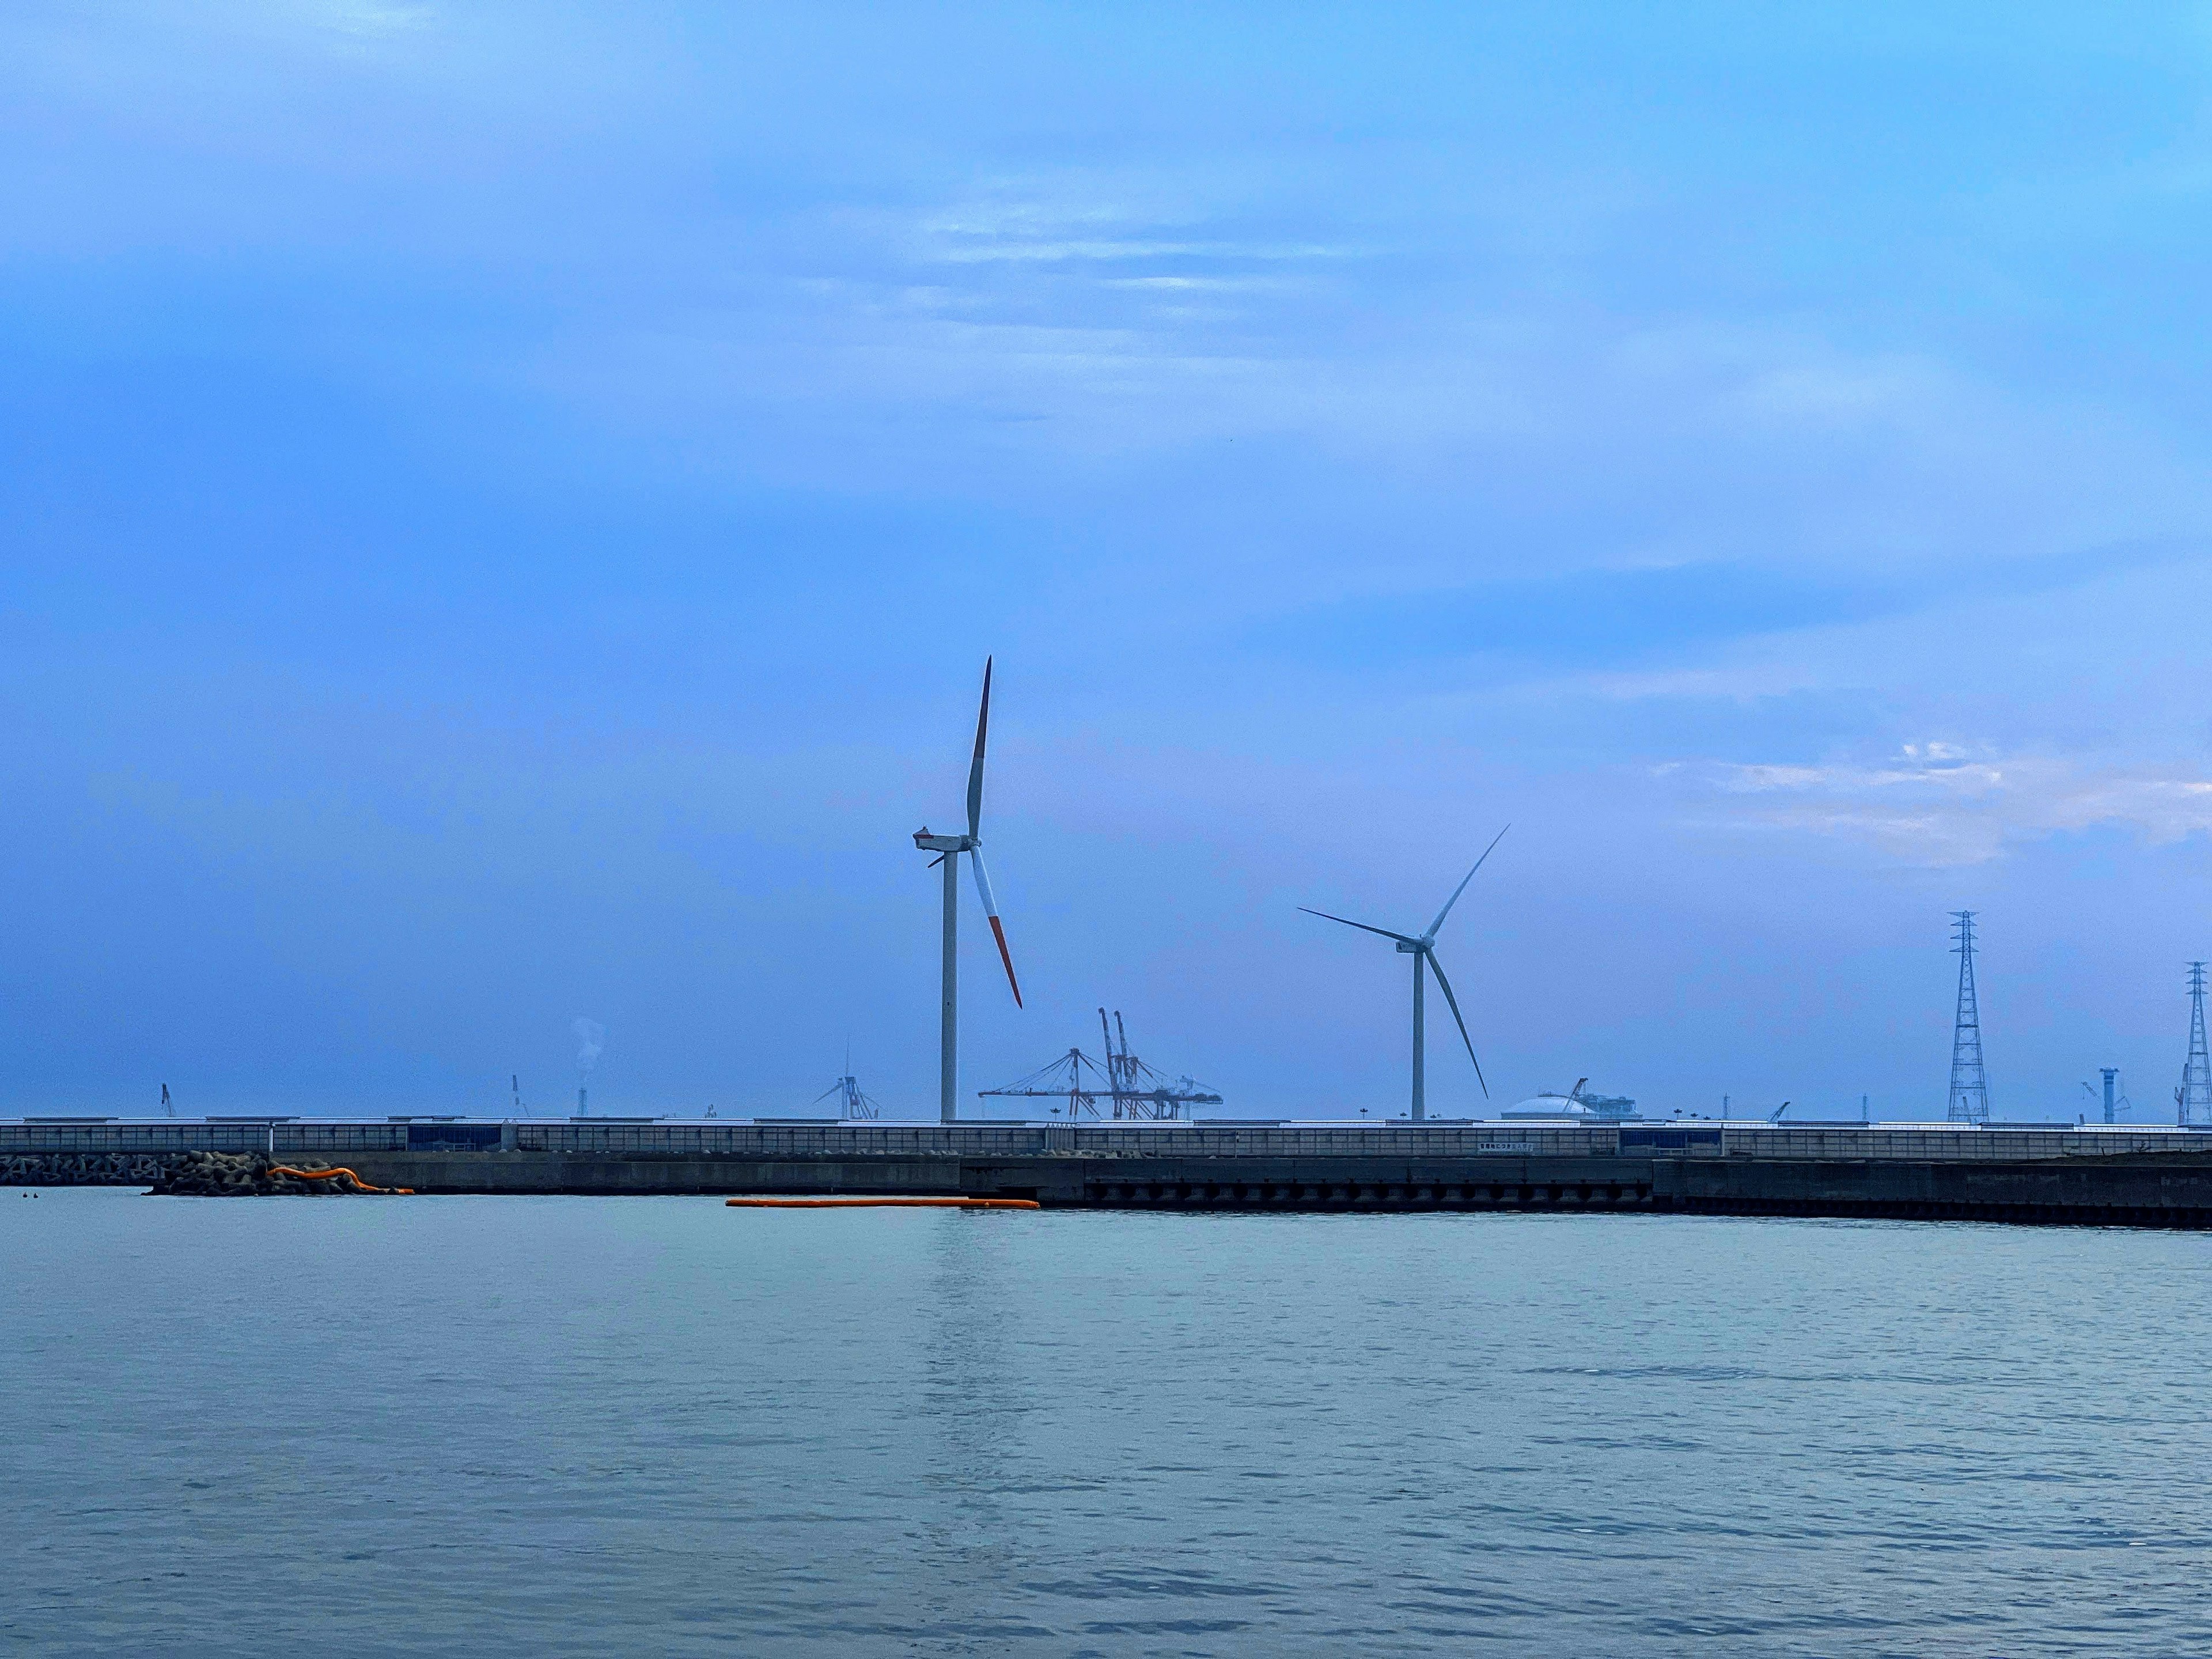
[{"x": 506, "y": 508}]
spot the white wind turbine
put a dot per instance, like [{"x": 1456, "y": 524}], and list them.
[
  {"x": 948, "y": 849},
  {"x": 1424, "y": 953}
]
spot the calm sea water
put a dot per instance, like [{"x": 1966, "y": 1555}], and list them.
[{"x": 589, "y": 1426}]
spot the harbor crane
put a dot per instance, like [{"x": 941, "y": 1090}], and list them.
[
  {"x": 1130, "y": 1089},
  {"x": 2116, "y": 1105},
  {"x": 851, "y": 1103}
]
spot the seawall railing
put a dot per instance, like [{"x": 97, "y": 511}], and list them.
[{"x": 325, "y": 1138}]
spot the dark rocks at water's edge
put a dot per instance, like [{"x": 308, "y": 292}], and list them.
[
  {"x": 184, "y": 1175},
  {"x": 246, "y": 1175},
  {"x": 81, "y": 1168}
]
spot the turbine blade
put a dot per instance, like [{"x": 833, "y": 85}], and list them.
[
  {"x": 975, "y": 767},
  {"x": 982, "y": 882},
  {"x": 1444, "y": 985},
  {"x": 991, "y": 911},
  {"x": 1013, "y": 984},
  {"x": 1463, "y": 881},
  {"x": 1348, "y": 922}
]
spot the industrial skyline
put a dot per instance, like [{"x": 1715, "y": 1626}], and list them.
[{"x": 512, "y": 513}]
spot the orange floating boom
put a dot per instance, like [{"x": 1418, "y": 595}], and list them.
[
  {"x": 326, "y": 1175},
  {"x": 883, "y": 1204}
]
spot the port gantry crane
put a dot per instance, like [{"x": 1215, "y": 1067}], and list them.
[
  {"x": 1131, "y": 1089},
  {"x": 851, "y": 1103}
]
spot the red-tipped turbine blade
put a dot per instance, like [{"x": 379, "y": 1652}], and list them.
[
  {"x": 991, "y": 909},
  {"x": 1005, "y": 956},
  {"x": 975, "y": 766}
]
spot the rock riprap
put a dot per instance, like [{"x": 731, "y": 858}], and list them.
[{"x": 255, "y": 1175}]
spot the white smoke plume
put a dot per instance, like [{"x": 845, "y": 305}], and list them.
[{"x": 591, "y": 1036}]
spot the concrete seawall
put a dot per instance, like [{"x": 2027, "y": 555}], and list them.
[
  {"x": 2168, "y": 1190},
  {"x": 2138, "y": 1177}
]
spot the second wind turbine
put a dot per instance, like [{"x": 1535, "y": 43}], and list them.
[
  {"x": 1424, "y": 953},
  {"x": 948, "y": 849}
]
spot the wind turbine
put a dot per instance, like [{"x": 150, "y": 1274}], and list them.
[
  {"x": 1424, "y": 953},
  {"x": 948, "y": 849}
]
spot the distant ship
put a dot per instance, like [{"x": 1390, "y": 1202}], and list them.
[{"x": 1575, "y": 1106}]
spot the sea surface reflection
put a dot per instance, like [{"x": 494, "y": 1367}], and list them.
[{"x": 584, "y": 1426}]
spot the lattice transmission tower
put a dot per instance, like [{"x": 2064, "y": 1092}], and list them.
[
  {"x": 2194, "y": 1098},
  {"x": 1970, "y": 1084}
]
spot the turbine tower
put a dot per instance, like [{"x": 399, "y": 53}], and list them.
[
  {"x": 948, "y": 849},
  {"x": 1424, "y": 953},
  {"x": 1970, "y": 1085},
  {"x": 2194, "y": 1098}
]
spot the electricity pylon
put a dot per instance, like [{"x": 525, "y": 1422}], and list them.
[
  {"x": 2194, "y": 1098},
  {"x": 1970, "y": 1084}
]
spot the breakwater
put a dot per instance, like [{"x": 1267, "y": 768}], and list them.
[{"x": 2130, "y": 1177}]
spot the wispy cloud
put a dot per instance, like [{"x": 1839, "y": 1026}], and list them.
[
  {"x": 1061, "y": 222},
  {"x": 1937, "y": 803},
  {"x": 365, "y": 19},
  {"x": 970, "y": 252}
]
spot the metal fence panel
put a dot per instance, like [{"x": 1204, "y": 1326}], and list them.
[{"x": 331, "y": 1141}]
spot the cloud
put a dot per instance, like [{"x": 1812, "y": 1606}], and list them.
[
  {"x": 1051, "y": 252},
  {"x": 1932, "y": 805},
  {"x": 364, "y": 19}
]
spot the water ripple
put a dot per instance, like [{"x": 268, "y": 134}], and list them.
[{"x": 577, "y": 1426}]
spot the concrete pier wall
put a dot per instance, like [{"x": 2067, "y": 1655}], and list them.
[
  {"x": 2110, "y": 1177},
  {"x": 2169, "y": 1190}
]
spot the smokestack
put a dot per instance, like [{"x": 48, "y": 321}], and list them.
[
  {"x": 2109, "y": 1072},
  {"x": 593, "y": 1038}
]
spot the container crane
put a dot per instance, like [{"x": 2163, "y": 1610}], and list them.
[{"x": 1130, "y": 1089}]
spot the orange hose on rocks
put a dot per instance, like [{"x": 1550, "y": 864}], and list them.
[
  {"x": 324, "y": 1175},
  {"x": 883, "y": 1204}
]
